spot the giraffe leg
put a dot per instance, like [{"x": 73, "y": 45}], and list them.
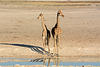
[
  {"x": 48, "y": 45},
  {"x": 48, "y": 49},
  {"x": 44, "y": 49},
  {"x": 54, "y": 45},
  {"x": 44, "y": 45},
  {"x": 58, "y": 37}
]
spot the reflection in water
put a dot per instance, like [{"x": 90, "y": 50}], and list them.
[
  {"x": 60, "y": 62},
  {"x": 37, "y": 60},
  {"x": 56, "y": 61},
  {"x": 47, "y": 60},
  {"x": 44, "y": 60}
]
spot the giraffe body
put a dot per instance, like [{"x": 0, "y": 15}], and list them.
[
  {"x": 45, "y": 34},
  {"x": 56, "y": 32}
]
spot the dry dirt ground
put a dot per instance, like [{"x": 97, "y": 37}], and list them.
[{"x": 21, "y": 31}]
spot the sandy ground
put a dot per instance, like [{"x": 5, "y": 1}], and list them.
[{"x": 20, "y": 31}]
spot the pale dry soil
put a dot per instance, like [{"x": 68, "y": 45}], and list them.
[{"x": 21, "y": 32}]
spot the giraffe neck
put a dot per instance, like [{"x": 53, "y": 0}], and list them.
[
  {"x": 57, "y": 20},
  {"x": 43, "y": 25}
]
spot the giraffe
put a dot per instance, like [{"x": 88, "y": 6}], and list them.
[
  {"x": 45, "y": 33},
  {"x": 56, "y": 32}
]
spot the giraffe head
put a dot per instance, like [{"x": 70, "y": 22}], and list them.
[
  {"x": 60, "y": 13},
  {"x": 40, "y": 15}
]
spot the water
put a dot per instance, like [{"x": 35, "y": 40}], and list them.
[{"x": 43, "y": 61}]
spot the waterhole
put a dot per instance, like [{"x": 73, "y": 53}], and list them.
[{"x": 45, "y": 61}]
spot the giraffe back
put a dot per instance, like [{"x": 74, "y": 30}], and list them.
[{"x": 56, "y": 31}]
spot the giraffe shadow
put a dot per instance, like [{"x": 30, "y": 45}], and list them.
[{"x": 33, "y": 48}]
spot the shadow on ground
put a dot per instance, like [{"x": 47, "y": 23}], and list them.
[{"x": 33, "y": 48}]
